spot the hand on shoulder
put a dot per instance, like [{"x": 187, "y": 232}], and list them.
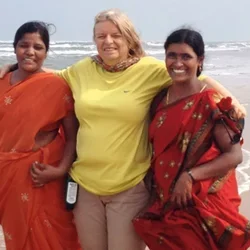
[{"x": 212, "y": 83}]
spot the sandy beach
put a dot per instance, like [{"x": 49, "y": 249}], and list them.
[{"x": 2, "y": 247}]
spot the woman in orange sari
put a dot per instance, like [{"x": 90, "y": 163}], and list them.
[
  {"x": 196, "y": 144},
  {"x": 34, "y": 157}
]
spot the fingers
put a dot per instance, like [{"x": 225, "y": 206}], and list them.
[
  {"x": 4, "y": 70},
  {"x": 41, "y": 166},
  {"x": 36, "y": 167},
  {"x": 240, "y": 111},
  {"x": 37, "y": 182},
  {"x": 35, "y": 172},
  {"x": 38, "y": 185},
  {"x": 189, "y": 196},
  {"x": 182, "y": 201},
  {"x": 178, "y": 201}
]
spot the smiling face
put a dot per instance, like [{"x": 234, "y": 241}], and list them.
[
  {"x": 30, "y": 52},
  {"x": 182, "y": 62},
  {"x": 111, "y": 45}
]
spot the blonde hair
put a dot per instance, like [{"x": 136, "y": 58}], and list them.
[{"x": 126, "y": 28}]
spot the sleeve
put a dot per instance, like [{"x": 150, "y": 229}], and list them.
[
  {"x": 202, "y": 77},
  {"x": 62, "y": 97},
  {"x": 67, "y": 74},
  {"x": 163, "y": 74},
  {"x": 68, "y": 101},
  {"x": 168, "y": 81}
]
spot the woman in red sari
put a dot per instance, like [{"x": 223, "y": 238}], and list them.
[
  {"x": 196, "y": 142},
  {"x": 34, "y": 157}
]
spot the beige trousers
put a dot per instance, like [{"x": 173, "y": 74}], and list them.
[{"x": 104, "y": 222}]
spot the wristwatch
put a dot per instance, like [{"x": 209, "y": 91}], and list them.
[{"x": 189, "y": 171}]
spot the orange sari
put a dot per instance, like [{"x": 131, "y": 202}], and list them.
[
  {"x": 182, "y": 138},
  {"x": 33, "y": 218}
]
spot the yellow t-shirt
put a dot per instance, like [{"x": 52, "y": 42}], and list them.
[{"x": 112, "y": 108}]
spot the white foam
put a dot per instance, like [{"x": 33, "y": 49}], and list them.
[
  {"x": 68, "y": 45},
  {"x": 88, "y": 48},
  {"x": 8, "y": 41},
  {"x": 155, "y": 52},
  {"x": 6, "y": 54},
  {"x": 223, "y": 49},
  {"x": 242, "y": 175},
  {"x": 72, "y": 52},
  {"x": 154, "y": 44},
  {"x": 6, "y": 49}
]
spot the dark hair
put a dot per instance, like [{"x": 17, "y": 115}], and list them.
[
  {"x": 34, "y": 27},
  {"x": 191, "y": 38}
]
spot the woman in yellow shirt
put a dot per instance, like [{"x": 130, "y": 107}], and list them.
[{"x": 112, "y": 93}]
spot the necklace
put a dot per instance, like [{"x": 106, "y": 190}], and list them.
[
  {"x": 167, "y": 97},
  {"x": 168, "y": 93}
]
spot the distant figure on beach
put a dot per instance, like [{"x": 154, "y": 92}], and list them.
[
  {"x": 196, "y": 140},
  {"x": 113, "y": 92},
  {"x": 34, "y": 156}
]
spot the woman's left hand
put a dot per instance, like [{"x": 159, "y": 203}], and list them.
[
  {"x": 43, "y": 173},
  {"x": 239, "y": 110},
  {"x": 182, "y": 193}
]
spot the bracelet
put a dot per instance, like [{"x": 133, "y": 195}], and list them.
[{"x": 189, "y": 172}]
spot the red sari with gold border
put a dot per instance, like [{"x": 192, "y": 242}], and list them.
[
  {"x": 33, "y": 218},
  {"x": 182, "y": 137}
]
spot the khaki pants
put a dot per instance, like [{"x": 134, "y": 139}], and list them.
[{"x": 104, "y": 222}]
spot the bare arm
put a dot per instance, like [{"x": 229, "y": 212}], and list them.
[
  {"x": 240, "y": 110},
  {"x": 42, "y": 173},
  {"x": 231, "y": 156},
  {"x": 10, "y": 67},
  {"x": 47, "y": 70},
  {"x": 5, "y": 69},
  {"x": 70, "y": 127}
]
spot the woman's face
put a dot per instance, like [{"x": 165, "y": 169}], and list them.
[
  {"x": 112, "y": 47},
  {"x": 30, "y": 52},
  {"x": 182, "y": 62}
]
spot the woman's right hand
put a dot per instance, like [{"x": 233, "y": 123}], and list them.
[
  {"x": 182, "y": 193},
  {"x": 42, "y": 174},
  {"x": 5, "y": 69}
]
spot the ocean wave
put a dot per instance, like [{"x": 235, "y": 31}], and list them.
[
  {"x": 7, "y": 54},
  {"x": 7, "y": 41},
  {"x": 155, "y": 52},
  {"x": 243, "y": 176},
  {"x": 72, "y": 52},
  {"x": 229, "y": 46},
  {"x": 88, "y": 47},
  {"x": 223, "y": 49},
  {"x": 72, "y": 42},
  {"x": 154, "y": 44},
  {"x": 68, "y": 45},
  {"x": 6, "y": 49}
]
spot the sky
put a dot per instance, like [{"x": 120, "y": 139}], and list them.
[{"x": 217, "y": 20}]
